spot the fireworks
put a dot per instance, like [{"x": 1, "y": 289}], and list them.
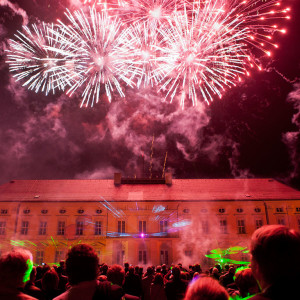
[
  {"x": 36, "y": 58},
  {"x": 187, "y": 50}
]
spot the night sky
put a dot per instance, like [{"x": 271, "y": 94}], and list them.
[{"x": 252, "y": 132}]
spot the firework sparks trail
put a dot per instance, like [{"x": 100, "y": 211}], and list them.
[
  {"x": 192, "y": 49},
  {"x": 153, "y": 12},
  {"x": 210, "y": 47},
  {"x": 104, "y": 53},
  {"x": 35, "y": 56},
  {"x": 144, "y": 43}
]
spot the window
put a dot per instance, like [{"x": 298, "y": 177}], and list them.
[
  {"x": 223, "y": 226},
  {"x": 186, "y": 210},
  {"x": 298, "y": 220},
  {"x": 98, "y": 228},
  {"x": 121, "y": 226},
  {"x": 142, "y": 227},
  {"x": 279, "y": 209},
  {"x": 120, "y": 257},
  {"x": 281, "y": 221},
  {"x": 221, "y": 210},
  {"x": 205, "y": 228},
  {"x": 241, "y": 226},
  {"x": 4, "y": 211},
  {"x": 239, "y": 210},
  {"x": 164, "y": 257},
  {"x": 61, "y": 227},
  {"x": 257, "y": 209},
  {"x": 204, "y": 210},
  {"x": 26, "y": 211},
  {"x": 44, "y": 211},
  {"x": 258, "y": 223},
  {"x": 79, "y": 228},
  {"x": 163, "y": 226},
  {"x": 188, "y": 253},
  {"x": 80, "y": 211},
  {"x": 297, "y": 209},
  {"x": 62, "y": 211},
  {"x": 43, "y": 228},
  {"x": 143, "y": 257},
  {"x": 2, "y": 228},
  {"x": 39, "y": 257},
  {"x": 24, "y": 227},
  {"x": 98, "y": 211},
  {"x": 59, "y": 255}
]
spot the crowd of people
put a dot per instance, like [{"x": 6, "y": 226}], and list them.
[{"x": 274, "y": 274}]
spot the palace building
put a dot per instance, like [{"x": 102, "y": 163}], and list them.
[{"x": 142, "y": 221}]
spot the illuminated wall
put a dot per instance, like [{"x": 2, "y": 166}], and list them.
[{"x": 135, "y": 222}]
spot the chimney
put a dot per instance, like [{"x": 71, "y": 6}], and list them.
[
  {"x": 117, "y": 178},
  {"x": 168, "y": 178}
]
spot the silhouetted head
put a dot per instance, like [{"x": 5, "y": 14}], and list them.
[
  {"x": 206, "y": 288},
  {"x": 15, "y": 268},
  {"x": 116, "y": 275},
  {"x": 275, "y": 254},
  {"x": 81, "y": 264}
]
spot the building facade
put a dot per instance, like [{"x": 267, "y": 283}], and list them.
[{"x": 142, "y": 221}]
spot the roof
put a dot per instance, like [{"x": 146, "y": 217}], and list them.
[{"x": 180, "y": 190}]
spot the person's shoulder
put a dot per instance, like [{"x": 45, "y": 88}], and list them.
[
  {"x": 23, "y": 296},
  {"x": 62, "y": 296}
]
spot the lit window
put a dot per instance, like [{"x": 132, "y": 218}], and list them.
[
  {"x": 61, "y": 227},
  {"x": 39, "y": 257},
  {"x": 258, "y": 223},
  {"x": 223, "y": 226},
  {"x": 142, "y": 227},
  {"x": 143, "y": 257},
  {"x": 2, "y": 228},
  {"x": 281, "y": 221},
  {"x": 59, "y": 255},
  {"x": 163, "y": 226},
  {"x": 43, "y": 228},
  {"x": 98, "y": 228},
  {"x": 241, "y": 226},
  {"x": 24, "y": 227},
  {"x": 188, "y": 253},
  {"x": 79, "y": 228},
  {"x": 164, "y": 257},
  {"x": 221, "y": 210},
  {"x": 121, "y": 226},
  {"x": 205, "y": 228}
]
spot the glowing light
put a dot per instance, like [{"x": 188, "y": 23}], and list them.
[
  {"x": 188, "y": 50},
  {"x": 36, "y": 58},
  {"x": 28, "y": 271}
]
